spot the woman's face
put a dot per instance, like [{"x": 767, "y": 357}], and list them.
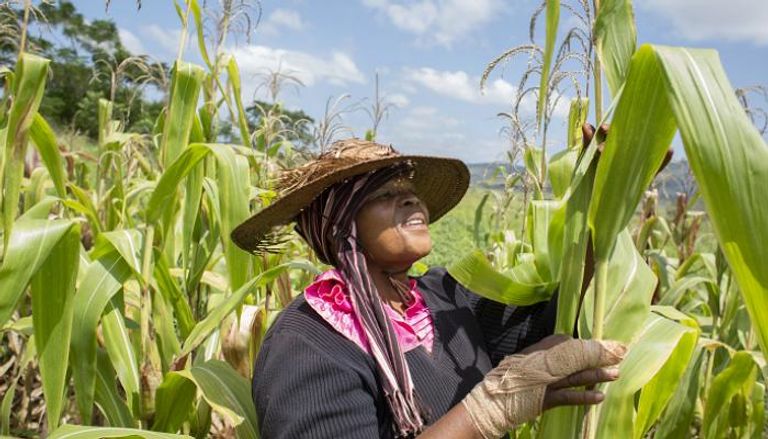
[{"x": 392, "y": 226}]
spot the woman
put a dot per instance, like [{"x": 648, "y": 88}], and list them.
[{"x": 368, "y": 351}]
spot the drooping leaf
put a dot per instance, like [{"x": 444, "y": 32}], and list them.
[
  {"x": 81, "y": 432},
  {"x": 228, "y": 393},
  {"x": 28, "y": 87},
  {"x": 662, "y": 341},
  {"x": 214, "y": 318},
  {"x": 102, "y": 280},
  {"x": 29, "y": 247},
  {"x": 522, "y": 285}
]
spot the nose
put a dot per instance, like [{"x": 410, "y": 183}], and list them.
[{"x": 409, "y": 199}]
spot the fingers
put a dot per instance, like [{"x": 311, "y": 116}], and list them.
[
  {"x": 576, "y": 355},
  {"x": 556, "y": 398},
  {"x": 587, "y": 132},
  {"x": 587, "y": 377},
  {"x": 665, "y": 162}
]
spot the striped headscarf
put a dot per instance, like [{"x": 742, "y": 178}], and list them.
[{"x": 328, "y": 225}]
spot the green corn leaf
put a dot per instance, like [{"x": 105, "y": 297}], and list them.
[
  {"x": 167, "y": 286},
  {"x": 185, "y": 89},
  {"x": 726, "y": 385},
  {"x": 212, "y": 321},
  {"x": 165, "y": 190},
  {"x": 674, "y": 294},
  {"x": 616, "y": 37},
  {"x": 80, "y": 432},
  {"x": 197, "y": 15},
  {"x": 575, "y": 240},
  {"x": 630, "y": 287},
  {"x": 5, "y": 409},
  {"x": 553, "y": 18},
  {"x": 522, "y": 285},
  {"x": 85, "y": 206},
  {"x": 233, "y": 184},
  {"x": 129, "y": 244},
  {"x": 102, "y": 280},
  {"x": 228, "y": 393},
  {"x": 30, "y": 246},
  {"x": 165, "y": 329},
  {"x": 757, "y": 420},
  {"x": 662, "y": 343},
  {"x": 107, "y": 397},
  {"x": 233, "y": 180},
  {"x": 53, "y": 291},
  {"x": 730, "y": 162},
  {"x": 42, "y": 135},
  {"x": 666, "y": 87},
  {"x": 543, "y": 223},
  {"x": 28, "y": 86},
  {"x": 633, "y": 151},
  {"x": 657, "y": 393},
  {"x": 121, "y": 354},
  {"x": 561, "y": 167},
  {"x": 233, "y": 73},
  {"x": 677, "y": 419},
  {"x": 174, "y": 400}
]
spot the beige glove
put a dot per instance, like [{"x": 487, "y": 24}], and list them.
[{"x": 513, "y": 392}]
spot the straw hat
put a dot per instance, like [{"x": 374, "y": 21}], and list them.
[{"x": 440, "y": 183}]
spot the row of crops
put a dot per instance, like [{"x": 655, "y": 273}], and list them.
[{"x": 126, "y": 310}]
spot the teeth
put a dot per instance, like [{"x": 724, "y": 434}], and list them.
[{"x": 414, "y": 222}]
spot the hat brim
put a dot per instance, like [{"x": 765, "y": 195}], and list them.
[{"x": 440, "y": 183}]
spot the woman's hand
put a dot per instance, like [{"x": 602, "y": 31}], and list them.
[
  {"x": 538, "y": 378},
  {"x": 561, "y": 392}
]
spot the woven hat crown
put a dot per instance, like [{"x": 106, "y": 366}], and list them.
[
  {"x": 439, "y": 181},
  {"x": 341, "y": 154}
]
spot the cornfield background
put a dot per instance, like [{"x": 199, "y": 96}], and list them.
[{"x": 126, "y": 311}]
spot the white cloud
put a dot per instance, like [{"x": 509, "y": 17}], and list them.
[
  {"x": 166, "y": 39},
  {"x": 398, "y": 100},
  {"x": 430, "y": 131},
  {"x": 437, "y": 21},
  {"x": 336, "y": 68},
  {"x": 462, "y": 86},
  {"x": 131, "y": 42},
  {"x": 282, "y": 20},
  {"x": 698, "y": 20}
]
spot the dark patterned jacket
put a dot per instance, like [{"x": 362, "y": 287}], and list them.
[{"x": 312, "y": 382}]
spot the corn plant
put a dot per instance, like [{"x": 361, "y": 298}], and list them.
[
  {"x": 126, "y": 280},
  {"x": 584, "y": 230}
]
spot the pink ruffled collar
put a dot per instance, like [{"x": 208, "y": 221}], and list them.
[{"x": 327, "y": 295}]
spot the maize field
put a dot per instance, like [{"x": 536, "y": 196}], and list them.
[{"x": 127, "y": 311}]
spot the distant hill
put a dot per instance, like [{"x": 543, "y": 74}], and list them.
[{"x": 673, "y": 179}]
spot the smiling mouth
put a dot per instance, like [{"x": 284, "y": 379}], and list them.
[{"x": 416, "y": 221}]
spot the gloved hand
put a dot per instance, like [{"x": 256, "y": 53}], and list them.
[{"x": 525, "y": 384}]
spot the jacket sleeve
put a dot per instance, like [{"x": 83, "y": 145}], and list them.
[
  {"x": 507, "y": 328},
  {"x": 300, "y": 392}
]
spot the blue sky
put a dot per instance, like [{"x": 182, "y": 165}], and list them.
[{"x": 429, "y": 55}]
